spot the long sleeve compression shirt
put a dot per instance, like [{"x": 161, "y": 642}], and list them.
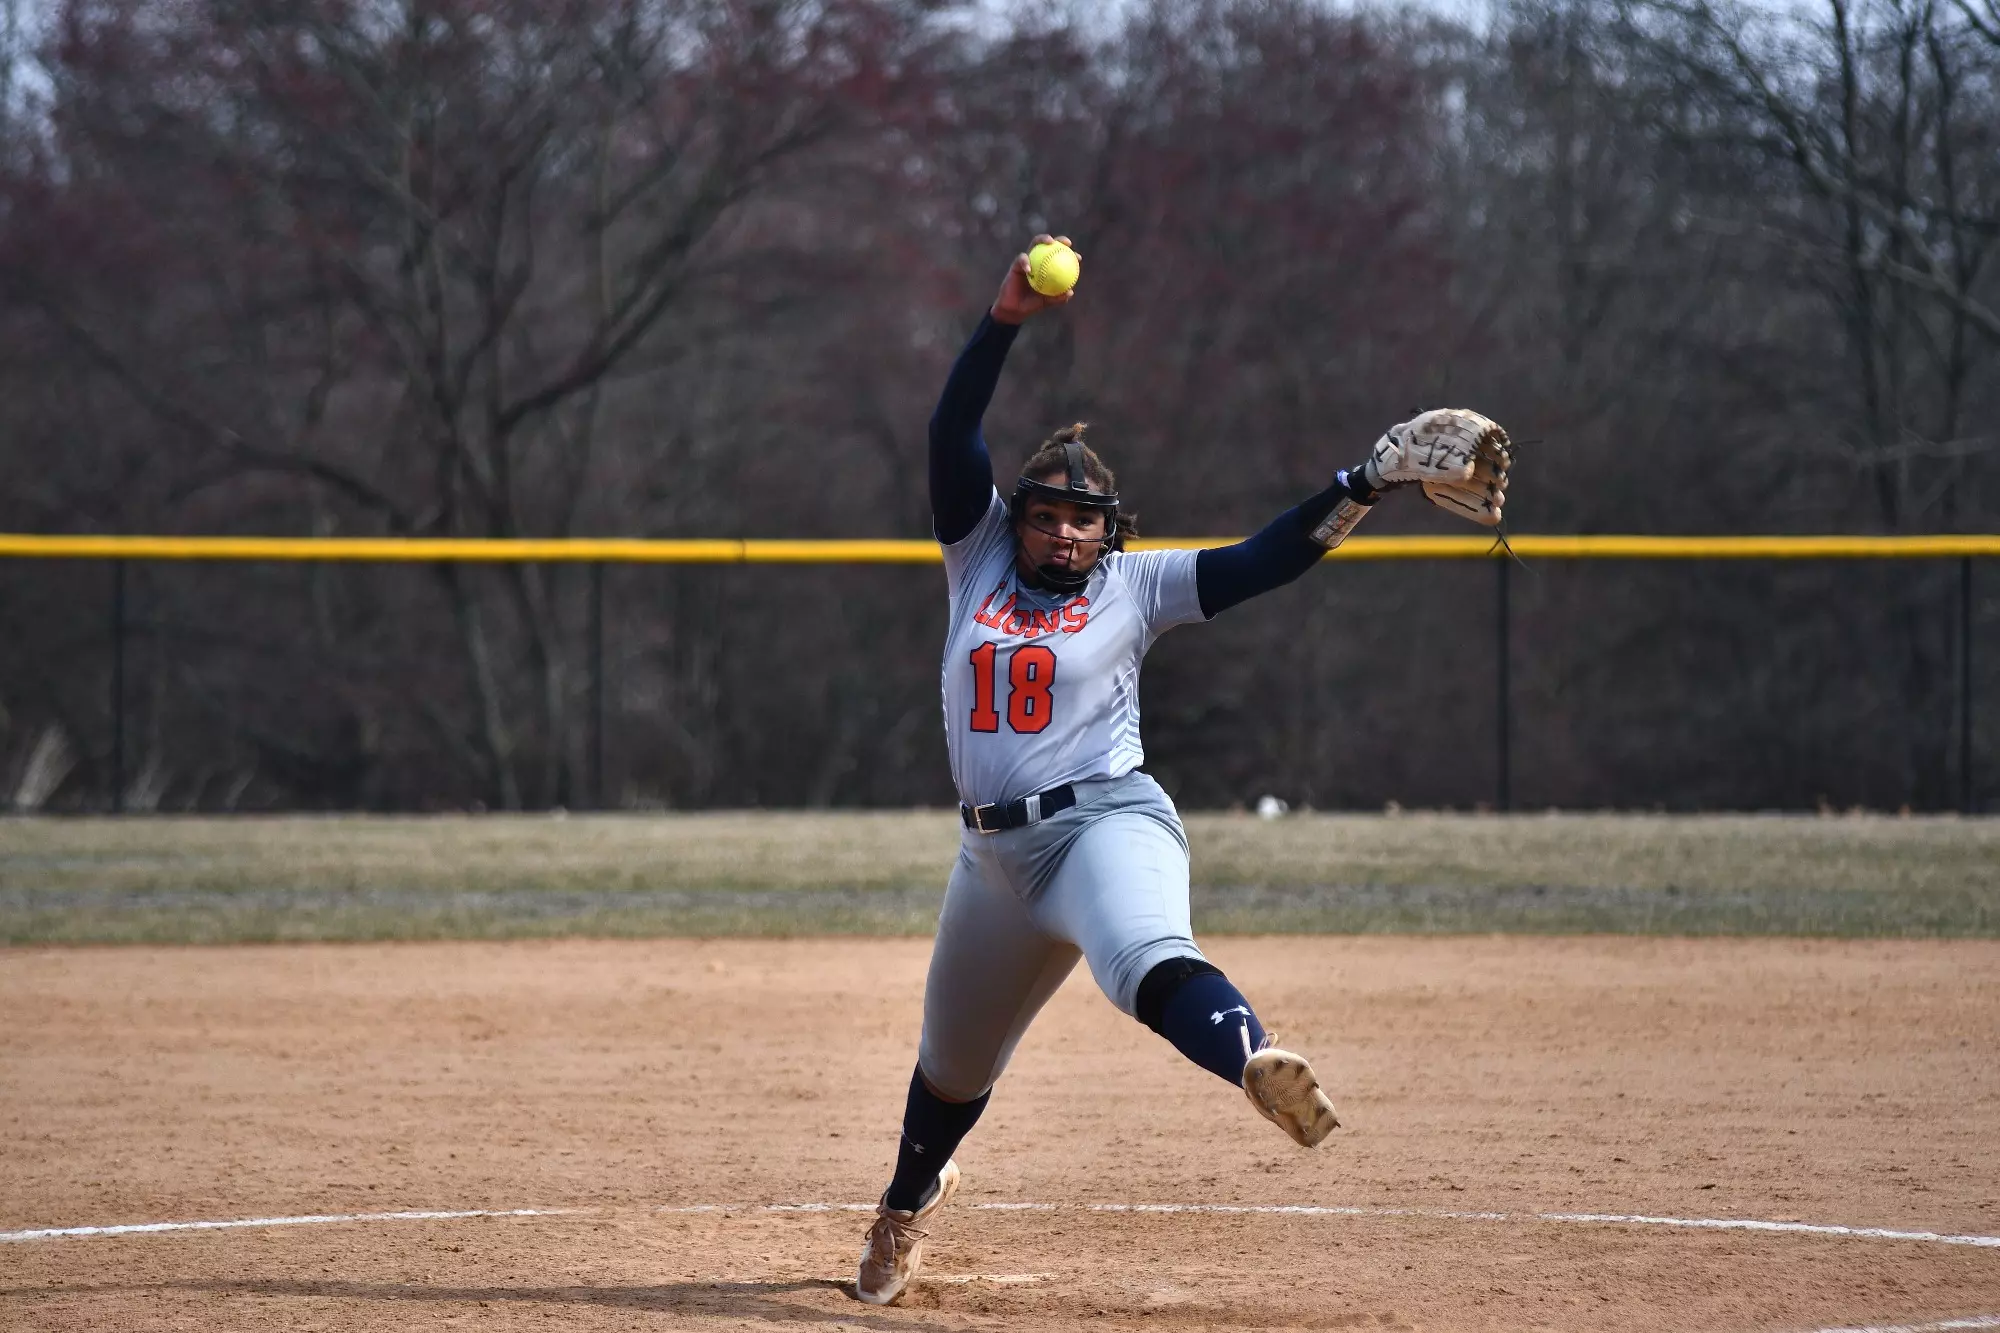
[
  {"x": 961, "y": 468},
  {"x": 961, "y": 481}
]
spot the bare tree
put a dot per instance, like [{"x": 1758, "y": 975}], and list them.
[
  {"x": 459, "y": 220},
  {"x": 1885, "y": 114}
]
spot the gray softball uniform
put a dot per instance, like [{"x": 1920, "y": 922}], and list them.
[{"x": 1040, "y": 689}]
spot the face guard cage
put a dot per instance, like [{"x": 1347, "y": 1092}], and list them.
[{"x": 1077, "y": 492}]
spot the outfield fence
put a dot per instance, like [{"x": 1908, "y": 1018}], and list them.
[{"x": 596, "y": 553}]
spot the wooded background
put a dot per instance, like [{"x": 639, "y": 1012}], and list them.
[{"x": 697, "y": 268}]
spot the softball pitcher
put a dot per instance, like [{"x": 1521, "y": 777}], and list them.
[{"x": 1069, "y": 850}]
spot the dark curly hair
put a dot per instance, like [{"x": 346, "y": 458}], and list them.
[{"x": 1050, "y": 462}]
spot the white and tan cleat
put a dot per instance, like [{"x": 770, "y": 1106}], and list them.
[
  {"x": 895, "y": 1249},
  {"x": 1282, "y": 1087}
]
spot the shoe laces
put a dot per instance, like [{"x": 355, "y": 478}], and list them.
[{"x": 899, "y": 1233}]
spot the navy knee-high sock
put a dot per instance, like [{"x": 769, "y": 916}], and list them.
[
  {"x": 932, "y": 1129},
  {"x": 1208, "y": 1020}
]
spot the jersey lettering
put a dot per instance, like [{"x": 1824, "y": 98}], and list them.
[
  {"x": 1028, "y": 623},
  {"x": 988, "y": 616}
]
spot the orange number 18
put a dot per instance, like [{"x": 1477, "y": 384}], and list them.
[{"x": 1031, "y": 671}]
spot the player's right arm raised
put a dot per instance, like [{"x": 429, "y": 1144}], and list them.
[{"x": 961, "y": 470}]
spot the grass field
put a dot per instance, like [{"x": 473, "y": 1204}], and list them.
[{"x": 195, "y": 880}]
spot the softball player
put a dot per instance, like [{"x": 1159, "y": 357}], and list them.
[{"x": 1069, "y": 850}]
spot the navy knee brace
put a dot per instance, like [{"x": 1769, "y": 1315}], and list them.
[{"x": 1159, "y": 986}]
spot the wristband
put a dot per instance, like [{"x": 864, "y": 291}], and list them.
[
  {"x": 1358, "y": 485},
  {"x": 1348, "y": 512}
]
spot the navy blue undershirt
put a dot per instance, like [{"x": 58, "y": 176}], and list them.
[
  {"x": 961, "y": 476},
  {"x": 961, "y": 468}
]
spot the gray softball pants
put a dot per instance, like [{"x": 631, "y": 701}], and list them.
[{"x": 1105, "y": 880}]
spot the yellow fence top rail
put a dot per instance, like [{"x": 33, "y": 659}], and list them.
[{"x": 731, "y": 551}]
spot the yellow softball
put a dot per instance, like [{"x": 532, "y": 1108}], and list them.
[{"x": 1053, "y": 268}]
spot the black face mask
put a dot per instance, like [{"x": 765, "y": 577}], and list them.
[
  {"x": 1056, "y": 578},
  {"x": 1065, "y": 578}
]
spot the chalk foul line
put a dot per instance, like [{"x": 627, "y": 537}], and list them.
[
  {"x": 1625, "y": 1219},
  {"x": 143, "y": 1228},
  {"x": 1941, "y": 1325},
  {"x": 1222, "y": 1209}
]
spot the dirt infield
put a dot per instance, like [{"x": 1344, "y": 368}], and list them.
[{"x": 1849, "y": 1084}]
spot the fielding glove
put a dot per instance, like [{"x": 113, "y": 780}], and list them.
[{"x": 1459, "y": 457}]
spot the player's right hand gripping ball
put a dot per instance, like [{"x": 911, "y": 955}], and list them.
[
  {"x": 1460, "y": 457},
  {"x": 1053, "y": 268}
]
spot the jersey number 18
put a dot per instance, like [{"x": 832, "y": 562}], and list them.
[{"x": 1031, "y": 670}]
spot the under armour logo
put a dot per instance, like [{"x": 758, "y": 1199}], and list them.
[{"x": 1217, "y": 1018}]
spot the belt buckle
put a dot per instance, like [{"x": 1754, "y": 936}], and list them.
[{"x": 979, "y": 818}]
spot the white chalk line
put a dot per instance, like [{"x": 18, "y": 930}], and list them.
[
  {"x": 1627, "y": 1219},
  {"x": 1225, "y": 1209},
  {"x": 141, "y": 1228},
  {"x": 1941, "y": 1325}
]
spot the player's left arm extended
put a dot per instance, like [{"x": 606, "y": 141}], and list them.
[
  {"x": 1280, "y": 551},
  {"x": 1458, "y": 457}
]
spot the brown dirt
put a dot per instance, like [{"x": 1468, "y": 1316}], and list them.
[{"x": 1847, "y": 1083}]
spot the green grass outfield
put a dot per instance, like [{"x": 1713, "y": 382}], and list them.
[{"x": 219, "y": 880}]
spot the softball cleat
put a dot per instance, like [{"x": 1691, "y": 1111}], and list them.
[
  {"x": 895, "y": 1249},
  {"x": 1282, "y": 1087}
]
